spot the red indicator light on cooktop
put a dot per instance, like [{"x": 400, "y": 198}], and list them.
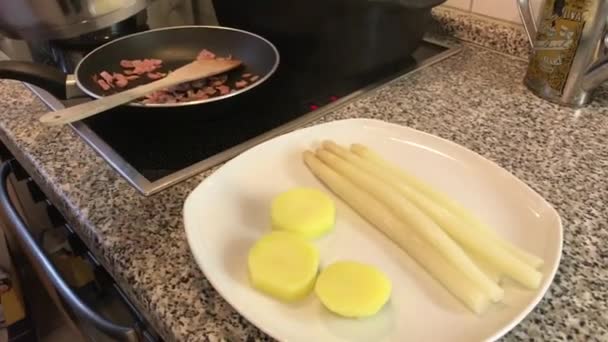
[{"x": 313, "y": 107}]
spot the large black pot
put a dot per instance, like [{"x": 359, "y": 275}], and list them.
[{"x": 349, "y": 36}]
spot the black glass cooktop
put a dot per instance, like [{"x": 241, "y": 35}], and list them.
[
  {"x": 154, "y": 148},
  {"x": 161, "y": 141}
]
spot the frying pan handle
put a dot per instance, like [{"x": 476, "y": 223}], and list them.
[{"x": 43, "y": 76}]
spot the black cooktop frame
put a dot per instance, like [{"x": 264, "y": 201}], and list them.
[{"x": 154, "y": 179}]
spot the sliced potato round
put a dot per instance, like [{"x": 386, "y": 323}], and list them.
[
  {"x": 306, "y": 211},
  {"x": 283, "y": 265},
  {"x": 353, "y": 289}
]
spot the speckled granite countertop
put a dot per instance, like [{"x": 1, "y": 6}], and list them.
[{"x": 475, "y": 98}]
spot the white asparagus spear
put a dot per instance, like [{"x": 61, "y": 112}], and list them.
[
  {"x": 489, "y": 270},
  {"x": 454, "y": 207},
  {"x": 481, "y": 245},
  {"x": 416, "y": 219},
  {"x": 399, "y": 233}
]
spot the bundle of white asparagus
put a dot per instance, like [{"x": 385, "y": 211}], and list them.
[{"x": 461, "y": 252}]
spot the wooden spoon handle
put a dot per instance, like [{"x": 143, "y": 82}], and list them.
[
  {"x": 91, "y": 108},
  {"x": 189, "y": 72}
]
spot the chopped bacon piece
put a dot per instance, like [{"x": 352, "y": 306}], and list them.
[
  {"x": 157, "y": 96},
  {"x": 132, "y": 77},
  {"x": 205, "y": 54},
  {"x": 240, "y": 84},
  {"x": 107, "y": 77},
  {"x": 120, "y": 80},
  {"x": 145, "y": 66},
  {"x": 200, "y": 95},
  {"x": 224, "y": 89},
  {"x": 103, "y": 84},
  {"x": 125, "y": 63},
  {"x": 209, "y": 90},
  {"x": 156, "y": 75},
  {"x": 254, "y": 78},
  {"x": 166, "y": 98},
  {"x": 247, "y": 75},
  {"x": 217, "y": 81},
  {"x": 152, "y": 95},
  {"x": 155, "y": 61}
]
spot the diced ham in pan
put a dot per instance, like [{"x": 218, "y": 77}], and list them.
[
  {"x": 120, "y": 80},
  {"x": 224, "y": 89},
  {"x": 103, "y": 85},
  {"x": 205, "y": 54},
  {"x": 210, "y": 91},
  {"x": 107, "y": 77},
  {"x": 156, "y": 75},
  {"x": 150, "y": 69},
  {"x": 125, "y": 63}
]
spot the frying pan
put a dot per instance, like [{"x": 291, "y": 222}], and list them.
[{"x": 175, "y": 46}]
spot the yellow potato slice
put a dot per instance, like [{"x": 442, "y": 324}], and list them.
[
  {"x": 352, "y": 289},
  {"x": 283, "y": 265},
  {"x": 306, "y": 211}
]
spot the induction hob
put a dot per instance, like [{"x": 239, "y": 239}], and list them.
[{"x": 153, "y": 150}]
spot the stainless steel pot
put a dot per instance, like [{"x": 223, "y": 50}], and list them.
[{"x": 61, "y": 19}]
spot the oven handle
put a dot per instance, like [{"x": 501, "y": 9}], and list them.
[{"x": 111, "y": 329}]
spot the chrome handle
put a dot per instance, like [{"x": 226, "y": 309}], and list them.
[
  {"x": 596, "y": 76},
  {"x": 28, "y": 242},
  {"x": 527, "y": 18}
]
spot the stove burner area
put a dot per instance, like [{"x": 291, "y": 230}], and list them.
[{"x": 156, "y": 148}]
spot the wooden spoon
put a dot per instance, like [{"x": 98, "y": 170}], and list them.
[{"x": 189, "y": 72}]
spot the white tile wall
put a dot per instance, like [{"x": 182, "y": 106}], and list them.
[{"x": 499, "y": 9}]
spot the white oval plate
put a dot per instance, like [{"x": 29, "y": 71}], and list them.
[{"x": 229, "y": 210}]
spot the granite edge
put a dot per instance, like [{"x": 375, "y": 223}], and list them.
[
  {"x": 75, "y": 218},
  {"x": 496, "y": 35}
]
